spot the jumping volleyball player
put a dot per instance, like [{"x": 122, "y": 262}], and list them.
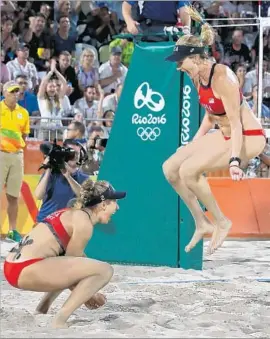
[
  {"x": 51, "y": 257},
  {"x": 240, "y": 136}
]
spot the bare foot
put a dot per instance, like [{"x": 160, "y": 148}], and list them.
[
  {"x": 202, "y": 229},
  {"x": 219, "y": 235},
  {"x": 96, "y": 301},
  {"x": 59, "y": 322}
]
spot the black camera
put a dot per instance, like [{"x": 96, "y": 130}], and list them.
[
  {"x": 57, "y": 154},
  {"x": 98, "y": 143}
]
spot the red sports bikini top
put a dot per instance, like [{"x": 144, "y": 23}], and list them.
[
  {"x": 208, "y": 100},
  {"x": 55, "y": 225}
]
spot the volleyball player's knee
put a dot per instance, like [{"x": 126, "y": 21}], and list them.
[
  {"x": 169, "y": 171},
  {"x": 187, "y": 172},
  {"x": 106, "y": 271}
]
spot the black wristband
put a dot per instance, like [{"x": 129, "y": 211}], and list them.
[{"x": 235, "y": 159}]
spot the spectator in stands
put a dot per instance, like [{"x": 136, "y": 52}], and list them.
[
  {"x": 69, "y": 9},
  {"x": 76, "y": 131},
  {"x": 153, "y": 16},
  {"x": 56, "y": 189},
  {"x": 112, "y": 72},
  {"x": 4, "y": 72},
  {"x": 88, "y": 75},
  {"x": 62, "y": 41},
  {"x": 51, "y": 100},
  {"x": 43, "y": 63},
  {"x": 87, "y": 105},
  {"x": 253, "y": 103},
  {"x": 66, "y": 109},
  {"x": 89, "y": 22},
  {"x": 107, "y": 125},
  {"x": 106, "y": 28},
  {"x": 79, "y": 117},
  {"x": 241, "y": 71},
  {"x": 266, "y": 46},
  {"x": 260, "y": 166},
  {"x": 111, "y": 101},
  {"x": 115, "y": 7},
  {"x": 68, "y": 72},
  {"x": 27, "y": 99},
  {"x": 8, "y": 7},
  {"x": 217, "y": 50},
  {"x": 14, "y": 129},
  {"x": 251, "y": 79},
  {"x": 265, "y": 8},
  {"x": 91, "y": 166},
  {"x": 21, "y": 65},
  {"x": 36, "y": 37},
  {"x": 229, "y": 8},
  {"x": 9, "y": 40},
  {"x": 236, "y": 52},
  {"x": 45, "y": 9},
  {"x": 20, "y": 19},
  {"x": 127, "y": 46}
]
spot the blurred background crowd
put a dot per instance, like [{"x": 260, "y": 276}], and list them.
[{"x": 71, "y": 69}]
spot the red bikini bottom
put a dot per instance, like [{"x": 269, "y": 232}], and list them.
[
  {"x": 12, "y": 270},
  {"x": 250, "y": 133}
]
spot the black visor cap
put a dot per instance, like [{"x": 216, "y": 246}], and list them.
[
  {"x": 109, "y": 194},
  {"x": 180, "y": 52}
]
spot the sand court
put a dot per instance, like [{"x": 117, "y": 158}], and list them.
[{"x": 229, "y": 299}]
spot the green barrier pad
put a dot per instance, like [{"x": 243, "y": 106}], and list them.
[{"x": 147, "y": 230}]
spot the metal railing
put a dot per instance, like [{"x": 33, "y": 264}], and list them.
[{"x": 54, "y": 127}]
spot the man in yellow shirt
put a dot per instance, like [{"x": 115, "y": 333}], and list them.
[{"x": 14, "y": 128}]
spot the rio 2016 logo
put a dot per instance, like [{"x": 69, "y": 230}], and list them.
[
  {"x": 155, "y": 102},
  {"x": 185, "y": 131}
]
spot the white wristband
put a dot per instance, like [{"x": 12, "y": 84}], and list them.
[{"x": 186, "y": 30}]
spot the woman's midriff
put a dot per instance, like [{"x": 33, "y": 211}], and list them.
[
  {"x": 249, "y": 122},
  {"x": 44, "y": 245}
]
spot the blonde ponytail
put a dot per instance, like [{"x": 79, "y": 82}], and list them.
[{"x": 207, "y": 33}]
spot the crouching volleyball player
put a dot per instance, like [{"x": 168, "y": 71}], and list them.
[{"x": 51, "y": 257}]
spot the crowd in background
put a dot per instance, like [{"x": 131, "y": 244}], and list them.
[{"x": 71, "y": 70}]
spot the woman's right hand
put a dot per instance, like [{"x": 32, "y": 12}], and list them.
[
  {"x": 96, "y": 301},
  {"x": 236, "y": 173}
]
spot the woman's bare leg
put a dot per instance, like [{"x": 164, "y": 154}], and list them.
[
  {"x": 222, "y": 225},
  {"x": 44, "y": 305},
  {"x": 88, "y": 275},
  {"x": 189, "y": 198},
  {"x": 46, "y": 302},
  {"x": 171, "y": 172},
  {"x": 191, "y": 172},
  {"x": 84, "y": 290}
]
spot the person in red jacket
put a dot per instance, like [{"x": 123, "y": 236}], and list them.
[
  {"x": 51, "y": 257},
  {"x": 240, "y": 136}
]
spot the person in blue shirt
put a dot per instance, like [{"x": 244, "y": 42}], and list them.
[
  {"x": 27, "y": 99},
  {"x": 57, "y": 189},
  {"x": 153, "y": 16}
]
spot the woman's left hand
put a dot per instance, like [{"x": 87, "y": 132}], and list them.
[{"x": 236, "y": 172}]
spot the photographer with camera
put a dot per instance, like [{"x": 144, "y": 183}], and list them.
[
  {"x": 62, "y": 178},
  {"x": 96, "y": 146}
]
